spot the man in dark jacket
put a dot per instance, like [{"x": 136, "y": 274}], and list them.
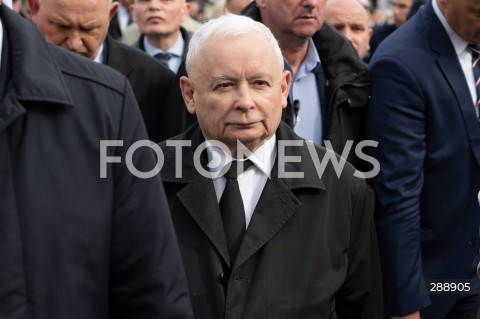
[
  {"x": 81, "y": 27},
  {"x": 330, "y": 93},
  {"x": 74, "y": 244},
  {"x": 289, "y": 247}
]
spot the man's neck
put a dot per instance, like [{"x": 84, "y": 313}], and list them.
[
  {"x": 163, "y": 41},
  {"x": 295, "y": 54}
]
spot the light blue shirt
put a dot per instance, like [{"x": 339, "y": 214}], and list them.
[
  {"x": 176, "y": 50},
  {"x": 308, "y": 122}
]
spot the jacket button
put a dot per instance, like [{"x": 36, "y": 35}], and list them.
[
  {"x": 223, "y": 278},
  {"x": 472, "y": 242}
]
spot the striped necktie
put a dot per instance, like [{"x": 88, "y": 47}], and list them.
[{"x": 475, "y": 51}]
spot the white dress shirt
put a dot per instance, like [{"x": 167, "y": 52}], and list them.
[
  {"x": 252, "y": 181},
  {"x": 463, "y": 54},
  {"x": 99, "y": 57}
]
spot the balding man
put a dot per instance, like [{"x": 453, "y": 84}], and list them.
[
  {"x": 350, "y": 18},
  {"x": 81, "y": 26}
]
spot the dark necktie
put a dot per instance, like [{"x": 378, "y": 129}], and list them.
[
  {"x": 476, "y": 71},
  {"x": 232, "y": 210},
  {"x": 163, "y": 58}
]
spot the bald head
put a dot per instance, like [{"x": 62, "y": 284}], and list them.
[
  {"x": 79, "y": 26},
  {"x": 350, "y": 18}
]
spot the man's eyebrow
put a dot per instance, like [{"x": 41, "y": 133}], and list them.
[
  {"x": 60, "y": 21},
  {"x": 66, "y": 23},
  {"x": 261, "y": 75}
]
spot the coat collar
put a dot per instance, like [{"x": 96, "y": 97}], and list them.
[
  {"x": 36, "y": 75},
  {"x": 116, "y": 57},
  {"x": 284, "y": 133},
  {"x": 276, "y": 206}
]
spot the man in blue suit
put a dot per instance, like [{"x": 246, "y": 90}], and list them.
[{"x": 423, "y": 114}]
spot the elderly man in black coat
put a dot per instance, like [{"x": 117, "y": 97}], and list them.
[
  {"x": 75, "y": 244},
  {"x": 288, "y": 238}
]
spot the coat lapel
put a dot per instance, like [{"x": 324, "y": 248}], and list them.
[
  {"x": 457, "y": 82},
  {"x": 278, "y": 203},
  {"x": 116, "y": 57},
  {"x": 275, "y": 207},
  {"x": 198, "y": 195},
  {"x": 199, "y": 199},
  {"x": 451, "y": 69}
]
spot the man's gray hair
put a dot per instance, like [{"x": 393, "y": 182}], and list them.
[{"x": 228, "y": 26}]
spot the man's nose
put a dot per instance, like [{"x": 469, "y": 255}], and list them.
[
  {"x": 74, "y": 42},
  {"x": 347, "y": 33},
  {"x": 310, "y": 3},
  {"x": 244, "y": 99}
]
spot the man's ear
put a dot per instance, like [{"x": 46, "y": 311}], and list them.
[
  {"x": 188, "y": 93},
  {"x": 187, "y": 8},
  {"x": 34, "y": 6},
  {"x": 113, "y": 10},
  {"x": 260, "y": 3},
  {"x": 285, "y": 87},
  {"x": 131, "y": 10}
]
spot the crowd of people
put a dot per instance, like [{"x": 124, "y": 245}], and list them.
[{"x": 239, "y": 159}]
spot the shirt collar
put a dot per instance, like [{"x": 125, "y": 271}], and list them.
[
  {"x": 99, "y": 58},
  {"x": 458, "y": 43},
  {"x": 263, "y": 157},
  {"x": 311, "y": 63},
  {"x": 312, "y": 60},
  {"x": 176, "y": 50}
]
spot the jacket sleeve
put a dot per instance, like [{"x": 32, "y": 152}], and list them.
[
  {"x": 396, "y": 120},
  {"x": 361, "y": 296},
  {"x": 146, "y": 274}
]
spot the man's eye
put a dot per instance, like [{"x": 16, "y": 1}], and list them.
[
  {"x": 224, "y": 85},
  {"x": 63, "y": 27},
  {"x": 87, "y": 29},
  {"x": 261, "y": 83},
  {"x": 357, "y": 28}
]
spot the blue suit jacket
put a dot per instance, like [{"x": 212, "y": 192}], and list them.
[{"x": 424, "y": 119}]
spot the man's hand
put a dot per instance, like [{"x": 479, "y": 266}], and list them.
[{"x": 414, "y": 315}]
